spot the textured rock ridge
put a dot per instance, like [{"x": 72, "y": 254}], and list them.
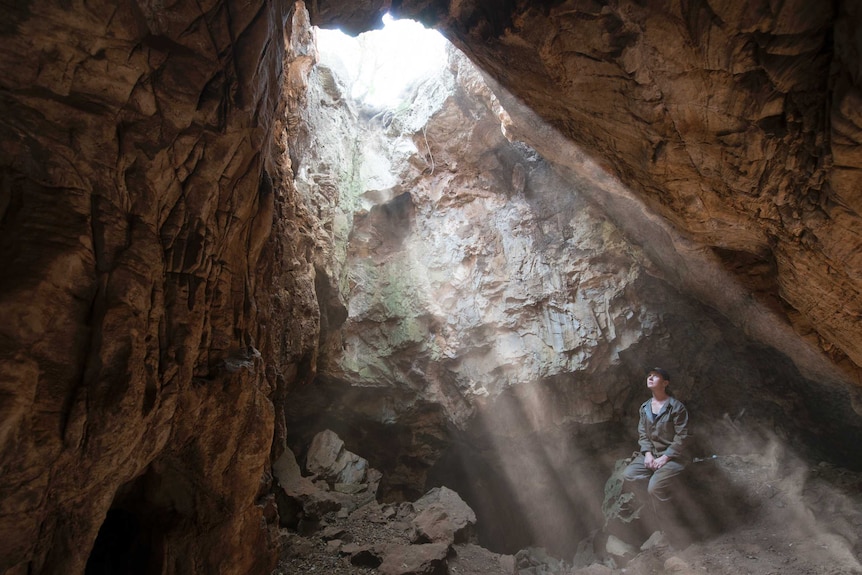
[{"x": 141, "y": 346}]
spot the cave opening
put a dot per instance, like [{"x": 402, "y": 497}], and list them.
[{"x": 381, "y": 65}]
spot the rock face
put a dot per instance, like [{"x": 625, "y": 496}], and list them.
[
  {"x": 485, "y": 280},
  {"x": 144, "y": 306},
  {"x": 328, "y": 459},
  {"x": 736, "y": 122},
  {"x": 443, "y": 517}
]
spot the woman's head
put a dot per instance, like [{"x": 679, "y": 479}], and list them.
[
  {"x": 662, "y": 372},
  {"x": 658, "y": 380}
]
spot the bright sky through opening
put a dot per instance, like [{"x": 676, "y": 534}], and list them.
[{"x": 383, "y": 63}]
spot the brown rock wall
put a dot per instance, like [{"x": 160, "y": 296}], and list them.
[{"x": 142, "y": 345}]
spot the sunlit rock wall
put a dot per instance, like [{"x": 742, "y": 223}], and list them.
[
  {"x": 733, "y": 121},
  {"x": 467, "y": 256},
  {"x": 736, "y": 121},
  {"x": 496, "y": 324},
  {"x": 467, "y": 265}
]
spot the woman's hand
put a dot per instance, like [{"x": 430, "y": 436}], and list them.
[
  {"x": 659, "y": 462},
  {"x": 649, "y": 460}
]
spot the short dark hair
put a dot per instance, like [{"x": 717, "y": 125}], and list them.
[{"x": 663, "y": 373}]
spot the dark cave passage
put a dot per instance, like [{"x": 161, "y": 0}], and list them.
[{"x": 126, "y": 545}]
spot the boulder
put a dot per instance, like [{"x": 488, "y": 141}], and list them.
[
  {"x": 328, "y": 459},
  {"x": 302, "y": 501},
  {"x": 619, "y": 549},
  {"x": 443, "y": 517},
  {"x": 626, "y": 518}
]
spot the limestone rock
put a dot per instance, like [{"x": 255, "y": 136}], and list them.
[
  {"x": 328, "y": 458},
  {"x": 657, "y": 539},
  {"x": 720, "y": 140},
  {"x": 443, "y": 517},
  {"x": 303, "y": 503},
  {"x": 508, "y": 299},
  {"x": 711, "y": 132},
  {"x": 619, "y": 549}
]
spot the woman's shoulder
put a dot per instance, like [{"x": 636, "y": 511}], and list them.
[
  {"x": 645, "y": 410},
  {"x": 675, "y": 403}
]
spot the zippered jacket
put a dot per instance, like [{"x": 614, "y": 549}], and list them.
[{"x": 666, "y": 433}]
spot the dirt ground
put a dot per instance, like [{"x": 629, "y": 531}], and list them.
[
  {"x": 807, "y": 521},
  {"x": 801, "y": 521}
]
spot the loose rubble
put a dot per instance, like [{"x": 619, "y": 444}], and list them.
[{"x": 347, "y": 531}]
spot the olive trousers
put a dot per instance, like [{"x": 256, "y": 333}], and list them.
[{"x": 660, "y": 480}]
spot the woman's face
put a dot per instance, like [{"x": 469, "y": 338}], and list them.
[{"x": 655, "y": 381}]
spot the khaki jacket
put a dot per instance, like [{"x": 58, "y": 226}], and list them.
[{"x": 666, "y": 433}]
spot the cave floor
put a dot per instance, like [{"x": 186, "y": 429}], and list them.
[{"x": 806, "y": 521}]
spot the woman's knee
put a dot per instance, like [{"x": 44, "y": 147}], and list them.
[
  {"x": 635, "y": 472},
  {"x": 659, "y": 490},
  {"x": 662, "y": 482}
]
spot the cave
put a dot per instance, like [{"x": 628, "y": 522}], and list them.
[{"x": 222, "y": 260}]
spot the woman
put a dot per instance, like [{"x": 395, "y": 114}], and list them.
[{"x": 663, "y": 434}]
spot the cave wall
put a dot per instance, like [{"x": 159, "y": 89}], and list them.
[
  {"x": 721, "y": 140},
  {"x": 471, "y": 266},
  {"x": 149, "y": 326}
]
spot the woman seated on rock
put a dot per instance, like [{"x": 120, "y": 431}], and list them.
[{"x": 663, "y": 434}]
